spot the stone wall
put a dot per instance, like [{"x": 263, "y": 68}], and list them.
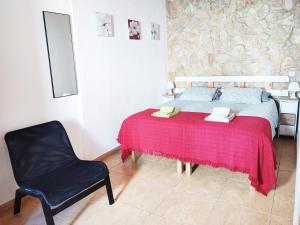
[{"x": 233, "y": 37}]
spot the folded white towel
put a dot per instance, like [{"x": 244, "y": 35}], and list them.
[
  {"x": 220, "y": 119},
  {"x": 220, "y": 114}
]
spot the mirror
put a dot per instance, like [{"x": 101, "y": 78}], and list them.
[{"x": 60, "y": 54}]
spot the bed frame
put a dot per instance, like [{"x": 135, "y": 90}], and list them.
[{"x": 239, "y": 81}]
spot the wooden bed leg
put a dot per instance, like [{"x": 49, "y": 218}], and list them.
[
  {"x": 133, "y": 156},
  {"x": 179, "y": 167},
  {"x": 188, "y": 168}
]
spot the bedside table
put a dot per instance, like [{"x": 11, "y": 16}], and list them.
[
  {"x": 288, "y": 116},
  {"x": 168, "y": 97}
]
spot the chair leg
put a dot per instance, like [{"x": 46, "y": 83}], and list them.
[
  {"x": 47, "y": 213},
  {"x": 18, "y": 198},
  {"x": 109, "y": 191}
]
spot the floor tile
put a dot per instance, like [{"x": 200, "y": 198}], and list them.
[
  {"x": 224, "y": 214},
  {"x": 115, "y": 215},
  {"x": 37, "y": 219},
  {"x": 163, "y": 174},
  {"x": 186, "y": 208},
  {"x": 157, "y": 220},
  {"x": 286, "y": 183},
  {"x": 206, "y": 185},
  {"x": 283, "y": 206},
  {"x": 144, "y": 195},
  {"x": 280, "y": 220},
  {"x": 249, "y": 217},
  {"x": 239, "y": 177},
  {"x": 31, "y": 213},
  {"x": 287, "y": 163},
  {"x": 242, "y": 194},
  {"x": 232, "y": 214}
]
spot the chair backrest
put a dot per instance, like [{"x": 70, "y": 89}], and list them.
[{"x": 38, "y": 150}]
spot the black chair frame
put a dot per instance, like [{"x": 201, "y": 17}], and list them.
[
  {"x": 50, "y": 212},
  {"x": 50, "y": 208}
]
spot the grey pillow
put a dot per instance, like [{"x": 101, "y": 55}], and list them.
[
  {"x": 242, "y": 95},
  {"x": 203, "y": 94}
]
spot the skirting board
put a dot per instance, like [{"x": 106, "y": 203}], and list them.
[{"x": 109, "y": 153}]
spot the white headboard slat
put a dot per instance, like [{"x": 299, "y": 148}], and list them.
[
  {"x": 237, "y": 79},
  {"x": 267, "y": 79}
]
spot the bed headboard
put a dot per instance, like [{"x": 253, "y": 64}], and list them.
[{"x": 239, "y": 80}]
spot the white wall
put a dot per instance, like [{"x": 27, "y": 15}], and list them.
[
  {"x": 118, "y": 76},
  {"x": 25, "y": 85}
]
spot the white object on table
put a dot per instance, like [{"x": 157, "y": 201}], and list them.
[{"x": 170, "y": 87}]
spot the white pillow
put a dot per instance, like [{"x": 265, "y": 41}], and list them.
[{"x": 203, "y": 94}]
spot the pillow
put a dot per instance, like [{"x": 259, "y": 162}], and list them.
[
  {"x": 242, "y": 95},
  {"x": 203, "y": 94},
  {"x": 265, "y": 96},
  {"x": 217, "y": 95}
]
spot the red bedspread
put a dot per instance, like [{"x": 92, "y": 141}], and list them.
[{"x": 244, "y": 144}]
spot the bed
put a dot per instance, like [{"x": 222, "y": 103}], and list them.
[{"x": 243, "y": 145}]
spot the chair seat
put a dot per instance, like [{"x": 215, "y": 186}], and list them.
[{"x": 67, "y": 181}]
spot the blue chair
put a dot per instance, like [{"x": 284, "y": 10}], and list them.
[{"x": 45, "y": 166}]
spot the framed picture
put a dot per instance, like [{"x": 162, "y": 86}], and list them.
[
  {"x": 155, "y": 31},
  {"x": 134, "y": 28},
  {"x": 104, "y": 23}
]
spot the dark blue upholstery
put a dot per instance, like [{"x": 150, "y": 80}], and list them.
[
  {"x": 45, "y": 166},
  {"x": 67, "y": 181}
]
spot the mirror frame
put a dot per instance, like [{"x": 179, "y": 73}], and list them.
[{"x": 49, "y": 58}]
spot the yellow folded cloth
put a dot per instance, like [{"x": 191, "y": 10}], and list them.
[
  {"x": 166, "y": 112},
  {"x": 167, "y": 109}
]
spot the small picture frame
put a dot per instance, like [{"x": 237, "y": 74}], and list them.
[
  {"x": 104, "y": 25},
  {"x": 155, "y": 31},
  {"x": 134, "y": 28}
]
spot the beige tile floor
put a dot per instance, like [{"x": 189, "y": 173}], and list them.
[{"x": 150, "y": 192}]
